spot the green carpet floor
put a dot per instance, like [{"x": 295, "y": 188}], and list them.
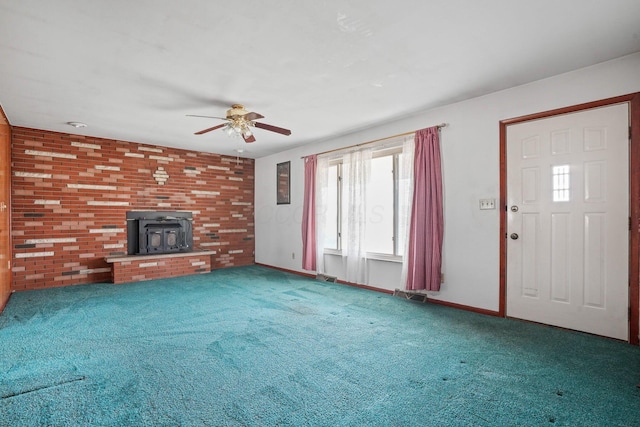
[{"x": 252, "y": 346}]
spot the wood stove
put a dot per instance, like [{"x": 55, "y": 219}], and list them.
[{"x": 159, "y": 232}]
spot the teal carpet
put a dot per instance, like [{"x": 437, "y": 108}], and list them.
[{"x": 252, "y": 346}]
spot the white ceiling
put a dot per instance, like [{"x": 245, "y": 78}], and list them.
[{"x": 133, "y": 69}]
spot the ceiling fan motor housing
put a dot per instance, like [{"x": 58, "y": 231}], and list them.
[{"x": 236, "y": 111}]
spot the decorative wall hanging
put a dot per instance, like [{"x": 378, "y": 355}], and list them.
[
  {"x": 160, "y": 175},
  {"x": 283, "y": 183}
]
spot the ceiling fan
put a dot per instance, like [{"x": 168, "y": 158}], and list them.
[{"x": 240, "y": 122}]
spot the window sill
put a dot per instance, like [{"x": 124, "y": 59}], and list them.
[
  {"x": 370, "y": 255},
  {"x": 384, "y": 257}
]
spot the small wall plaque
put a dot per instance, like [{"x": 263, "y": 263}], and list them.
[
  {"x": 160, "y": 175},
  {"x": 283, "y": 183}
]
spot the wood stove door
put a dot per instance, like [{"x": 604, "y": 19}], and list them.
[{"x": 154, "y": 240}]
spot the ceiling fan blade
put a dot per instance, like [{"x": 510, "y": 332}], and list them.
[
  {"x": 253, "y": 116},
  {"x": 272, "y": 128},
  {"x": 209, "y": 129},
  {"x": 249, "y": 138},
  {"x": 207, "y": 117}
]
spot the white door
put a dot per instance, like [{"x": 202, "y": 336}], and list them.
[{"x": 568, "y": 221}]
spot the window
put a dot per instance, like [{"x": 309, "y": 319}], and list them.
[
  {"x": 561, "y": 183},
  {"x": 380, "y": 206},
  {"x": 332, "y": 224},
  {"x": 385, "y": 231}
]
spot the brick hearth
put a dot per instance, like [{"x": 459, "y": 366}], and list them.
[{"x": 136, "y": 268}]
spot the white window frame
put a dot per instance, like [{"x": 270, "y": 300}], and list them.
[
  {"x": 394, "y": 151},
  {"x": 338, "y": 249}
]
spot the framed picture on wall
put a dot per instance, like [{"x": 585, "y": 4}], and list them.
[{"x": 283, "y": 183}]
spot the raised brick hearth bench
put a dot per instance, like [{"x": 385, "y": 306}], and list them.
[{"x": 136, "y": 268}]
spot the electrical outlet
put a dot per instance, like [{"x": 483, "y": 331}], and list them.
[{"x": 487, "y": 204}]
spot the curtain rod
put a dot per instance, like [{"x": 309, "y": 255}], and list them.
[{"x": 440, "y": 126}]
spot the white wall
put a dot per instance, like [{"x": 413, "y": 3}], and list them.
[{"x": 470, "y": 158}]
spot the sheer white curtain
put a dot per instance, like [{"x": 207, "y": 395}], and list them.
[
  {"x": 405, "y": 200},
  {"x": 322, "y": 200},
  {"x": 356, "y": 179},
  {"x": 356, "y": 174}
]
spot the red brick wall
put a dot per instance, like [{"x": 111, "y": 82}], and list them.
[{"x": 70, "y": 195}]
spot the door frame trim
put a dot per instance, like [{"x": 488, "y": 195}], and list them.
[
  {"x": 7, "y": 150},
  {"x": 634, "y": 200}
]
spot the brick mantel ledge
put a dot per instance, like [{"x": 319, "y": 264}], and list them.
[
  {"x": 121, "y": 258},
  {"x": 136, "y": 268}
]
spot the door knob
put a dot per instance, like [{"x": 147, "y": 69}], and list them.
[
  {"x": 514, "y": 208},
  {"x": 514, "y": 236}
]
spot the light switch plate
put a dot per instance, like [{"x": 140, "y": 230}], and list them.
[{"x": 487, "y": 204}]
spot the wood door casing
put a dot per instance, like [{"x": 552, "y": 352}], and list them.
[{"x": 5, "y": 210}]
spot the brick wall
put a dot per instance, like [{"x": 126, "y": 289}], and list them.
[{"x": 70, "y": 195}]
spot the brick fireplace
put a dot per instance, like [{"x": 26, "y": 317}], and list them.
[{"x": 71, "y": 195}]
